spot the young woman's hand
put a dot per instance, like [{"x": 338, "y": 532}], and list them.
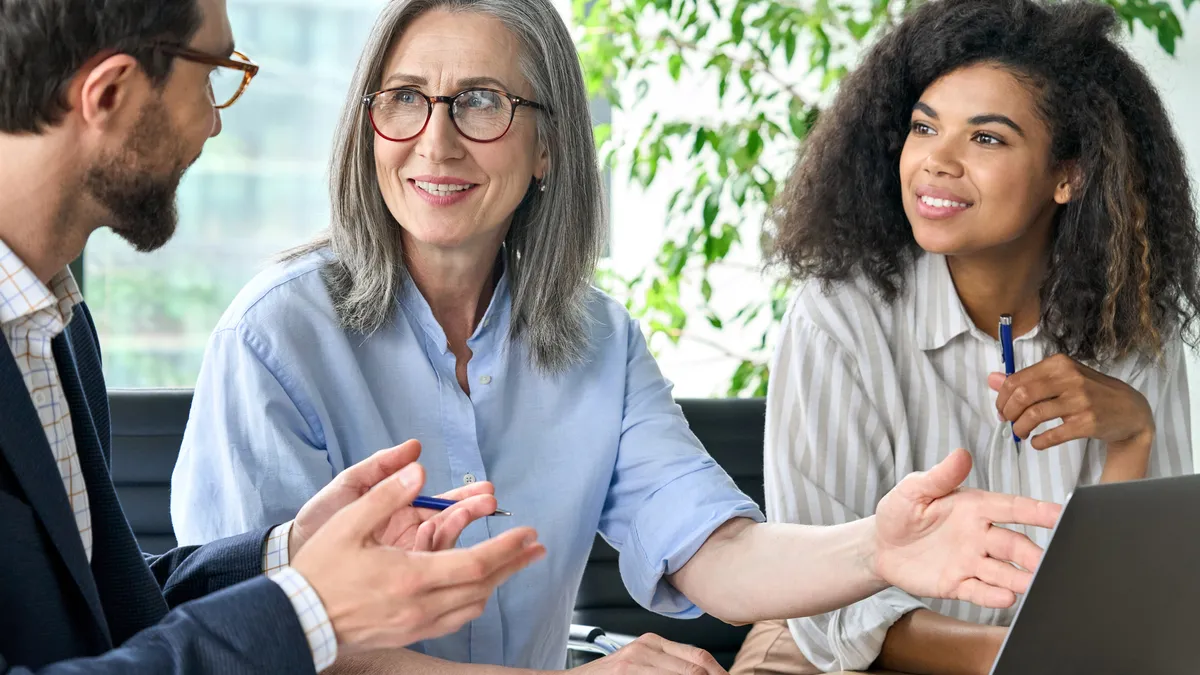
[{"x": 1090, "y": 404}]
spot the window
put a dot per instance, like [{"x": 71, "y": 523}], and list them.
[{"x": 259, "y": 188}]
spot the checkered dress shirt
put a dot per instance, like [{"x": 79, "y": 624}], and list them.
[{"x": 32, "y": 314}]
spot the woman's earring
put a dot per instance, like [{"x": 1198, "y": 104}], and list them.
[{"x": 541, "y": 184}]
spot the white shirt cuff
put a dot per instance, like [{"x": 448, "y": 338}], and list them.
[
  {"x": 309, "y": 608},
  {"x": 276, "y": 555}
]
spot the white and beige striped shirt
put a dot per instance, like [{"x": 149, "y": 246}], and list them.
[{"x": 863, "y": 393}]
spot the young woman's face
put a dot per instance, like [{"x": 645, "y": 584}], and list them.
[{"x": 976, "y": 171}]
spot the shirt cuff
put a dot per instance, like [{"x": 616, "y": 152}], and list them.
[
  {"x": 309, "y": 608},
  {"x": 311, "y": 612},
  {"x": 276, "y": 553}
]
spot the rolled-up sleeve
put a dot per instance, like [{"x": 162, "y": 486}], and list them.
[
  {"x": 667, "y": 495},
  {"x": 251, "y": 456},
  {"x": 828, "y": 460}
]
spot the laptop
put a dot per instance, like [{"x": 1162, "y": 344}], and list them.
[{"x": 1118, "y": 589}]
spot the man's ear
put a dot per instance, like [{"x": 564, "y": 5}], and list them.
[
  {"x": 108, "y": 90},
  {"x": 1070, "y": 182}
]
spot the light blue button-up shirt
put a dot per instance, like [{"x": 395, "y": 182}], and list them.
[{"x": 286, "y": 399}]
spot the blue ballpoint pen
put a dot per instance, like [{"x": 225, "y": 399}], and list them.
[
  {"x": 443, "y": 504},
  {"x": 1006, "y": 349}
]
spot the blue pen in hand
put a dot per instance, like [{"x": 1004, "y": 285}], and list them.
[
  {"x": 1006, "y": 349},
  {"x": 443, "y": 504}
]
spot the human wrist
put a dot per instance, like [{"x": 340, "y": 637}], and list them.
[
  {"x": 1139, "y": 441},
  {"x": 1128, "y": 459},
  {"x": 867, "y": 546}
]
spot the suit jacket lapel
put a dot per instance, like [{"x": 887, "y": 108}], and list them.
[{"x": 24, "y": 446}]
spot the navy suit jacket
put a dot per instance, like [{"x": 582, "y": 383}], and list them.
[{"x": 206, "y": 609}]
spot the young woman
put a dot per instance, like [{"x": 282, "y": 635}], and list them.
[{"x": 989, "y": 157}]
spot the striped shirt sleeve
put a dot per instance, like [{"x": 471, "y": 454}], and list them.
[
  {"x": 1165, "y": 387},
  {"x": 829, "y": 460}
]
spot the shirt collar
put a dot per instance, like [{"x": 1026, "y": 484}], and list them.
[
  {"x": 22, "y": 294},
  {"x": 938, "y": 312},
  {"x": 493, "y": 322}
]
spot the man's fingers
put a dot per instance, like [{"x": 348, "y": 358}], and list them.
[
  {"x": 1006, "y": 545},
  {"x": 457, "y": 618},
  {"x": 367, "y": 473},
  {"x": 469, "y": 565},
  {"x": 1015, "y": 510},
  {"x": 529, "y": 555},
  {"x": 1003, "y": 575},
  {"x": 979, "y": 593},
  {"x": 939, "y": 481},
  {"x": 371, "y": 512}
]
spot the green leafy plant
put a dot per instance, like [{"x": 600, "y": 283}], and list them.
[{"x": 772, "y": 65}]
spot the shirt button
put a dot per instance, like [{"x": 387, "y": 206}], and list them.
[
  {"x": 40, "y": 398},
  {"x": 485, "y": 379},
  {"x": 468, "y": 479}
]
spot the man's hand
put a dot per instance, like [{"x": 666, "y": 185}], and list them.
[
  {"x": 934, "y": 539},
  {"x": 408, "y": 528},
  {"x": 650, "y": 655},
  {"x": 379, "y": 596}
]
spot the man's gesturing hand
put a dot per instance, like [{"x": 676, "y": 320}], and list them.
[{"x": 381, "y": 596}]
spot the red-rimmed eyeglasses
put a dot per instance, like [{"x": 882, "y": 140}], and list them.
[{"x": 481, "y": 115}]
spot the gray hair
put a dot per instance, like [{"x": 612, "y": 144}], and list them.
[{"x": 556, "y": 236}]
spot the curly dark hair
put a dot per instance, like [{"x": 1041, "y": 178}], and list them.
[{"x": 1123, "y": 262}]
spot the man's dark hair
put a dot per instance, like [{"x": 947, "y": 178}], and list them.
[
  {"x": 44, "y": 43},
  {"x": 1123, "y": 274}
]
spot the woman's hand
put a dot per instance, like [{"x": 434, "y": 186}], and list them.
[
  {"x": 1090, "y": 404},
  {"x": 651, "y": 655},
  {"x": 934, "y": 539},
  {"x": 408, "y": 528}
]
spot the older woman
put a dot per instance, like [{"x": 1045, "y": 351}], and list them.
[{"x": 450, "y": 303}]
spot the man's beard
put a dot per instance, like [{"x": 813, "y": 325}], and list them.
[{"x": 132, "y": 186}]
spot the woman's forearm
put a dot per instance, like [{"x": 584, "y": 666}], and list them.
[
  {"x": 1128, "y": 460},
  {"x": 924, "y": 642},
  {"x": 749, "y": 571}
]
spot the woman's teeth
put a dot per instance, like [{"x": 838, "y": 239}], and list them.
[
  {"x": 943, "y": 203},
  {"x": 441, "y": 189}
]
